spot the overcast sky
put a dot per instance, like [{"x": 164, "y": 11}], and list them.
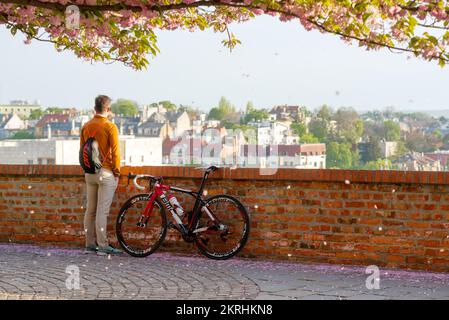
[{"x": 277, "y": 63}]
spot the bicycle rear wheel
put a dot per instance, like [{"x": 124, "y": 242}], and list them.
[
  {"x": 225, "y": 241},
  {"x": 138, "y": 236}
]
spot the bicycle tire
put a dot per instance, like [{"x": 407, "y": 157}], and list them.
[
  {"x": 220, "y": 256},
  {"x": 121, "y": 217}
]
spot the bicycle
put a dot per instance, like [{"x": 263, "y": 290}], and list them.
[{"x": 218, "y": 225}]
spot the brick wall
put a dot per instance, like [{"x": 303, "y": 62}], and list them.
[{"x": 390, "y": 218}]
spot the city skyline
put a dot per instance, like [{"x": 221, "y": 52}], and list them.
[{"x": 195, "y": 69}]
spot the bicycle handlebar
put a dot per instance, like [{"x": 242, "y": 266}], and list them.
[
  {"x": 210, "y": 168},
  {"x": 136, "y": 177},
  {"x": 137, "y": 185}
]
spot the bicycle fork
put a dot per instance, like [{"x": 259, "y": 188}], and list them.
[{"x": 147, "y": 211}]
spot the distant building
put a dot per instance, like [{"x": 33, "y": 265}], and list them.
[
  {"x": 141, "y": 151},
  {"x": 39, "y": 151},
  {"x": 154, "y": 129},
  {"x": 211, "y": 146},
  {"x": 304, "y": 156},
  {"x": 405, "y": 127},
  {"x": 274, "y": 133},
  {"x": 179, "y": 121},
  {"x": 415, "y": 161},
  {"x": 200, "y": 124},
  {"x": 441, "y": 156},
  {"x": 149, "y": 110},
  {"x": 134, "y": 151},
  {"x": 187, "y": 151},
  {"x": 54, "y": 120},
  {"x": 10, "y": 124},
  {"x": 287, "y": 113},
  {"x": 19, "y": 107},
  {"x": 127, "y": 125},
  {"x": 388, "y": 148}
]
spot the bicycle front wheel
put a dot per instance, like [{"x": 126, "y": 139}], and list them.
[
  {"x": 140, "y": 236},
  {"x": 223, "y": 240}
]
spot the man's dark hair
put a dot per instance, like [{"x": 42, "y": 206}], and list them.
[{"x": 101, "y": 102}]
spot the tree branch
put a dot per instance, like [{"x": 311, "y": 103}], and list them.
[
  {"x": 115, "y": 7},
  {"x": 211, "y": 3}
]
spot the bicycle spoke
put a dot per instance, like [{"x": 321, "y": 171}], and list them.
[
  {"x": 226, "y": 236},
  {"x": 139, "y": 235}
]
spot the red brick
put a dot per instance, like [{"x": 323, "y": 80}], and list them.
[{"x": 318, "y": 218}]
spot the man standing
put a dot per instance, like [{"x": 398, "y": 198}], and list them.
[{"x": 101, "y": 185}]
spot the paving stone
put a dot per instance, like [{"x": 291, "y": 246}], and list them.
[{"x": 31, "y": 272}]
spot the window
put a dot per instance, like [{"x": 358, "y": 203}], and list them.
[
  {"x": 143, "y": 157},
  {"x": 30, "y": 161},
  {"x": 50, "y": 161},
  {"x": 130, "y": 159}
]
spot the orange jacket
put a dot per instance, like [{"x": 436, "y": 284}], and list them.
[{"x": 106, "y": 134}]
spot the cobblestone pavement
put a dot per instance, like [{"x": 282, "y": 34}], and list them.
[{"x": 30, "y": 272}]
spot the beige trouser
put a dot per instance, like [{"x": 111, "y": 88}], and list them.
[{"x": 100, "y": 192}]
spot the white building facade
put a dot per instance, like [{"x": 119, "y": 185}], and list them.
[{"x": 133, "y": 151}]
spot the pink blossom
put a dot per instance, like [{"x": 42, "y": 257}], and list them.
[
  {"x": 394, "y": 10},
  {"x": 55, "y": 20},
  {"x": 438, "y": 13}
]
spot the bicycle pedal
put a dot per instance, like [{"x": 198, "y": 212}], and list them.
[{"x": 171, "y": 225}]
